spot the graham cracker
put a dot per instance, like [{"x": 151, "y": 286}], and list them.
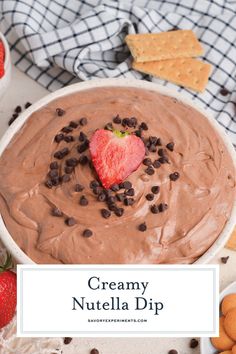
[
  {"x": 232, "y": 241},
  {"x": 186, "y": 72},
  {"x": 164, "y": 45}
]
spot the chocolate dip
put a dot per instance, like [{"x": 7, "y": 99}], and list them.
[{"x": 199, "y": 201}]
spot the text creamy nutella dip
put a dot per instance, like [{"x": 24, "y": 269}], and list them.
[{"x": 183, "y": 217}]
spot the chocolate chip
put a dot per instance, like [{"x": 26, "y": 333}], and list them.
[
  {"x": 69, "y": 138},
  {"x": 156, "y": 164},
  {"x": 97, "y": 190},
  {"x": 72, "y": 162},
  {"x": 162, "y": 152},
  {"x": 150, "y": 196},
  {"x": 125, "y": 121},
  {"x": 55, "y": 181},
  {"x": 119, "y": 211},
  {"x": 67, "y": 129},
  {"x": 13, "y": 118},
  {"x": 83, "y": 147},
  {"x": 172, "y": 351},
  {"x": 132, "y": 122},
  {"x": 143, "y": 126},
  {"x": 83, "y": 160},
  {"x": 18, "y": 109},
  {"x": 111, "y": 199},
  {"x": 112, "y": 206},
  {"x": 174, "y": 176},
  {"x": 115, "y": 187},
  {"x": 57, "y": 212},
  {"x": 108, "y": 126},
  {"x": 149, "y": 171},
  {"x": 67, "y": 340},
  {"x": 73, "y": 124},
  {"x": 163, "y": 159},
  {"x": 170, "y": 146},
  {"x": 27, "y": 105},
  {"x": 224, "y": 260},
  {"x": 102, "y": 197},
  {"x": 105, "y": 213},
  {"x": 61, "y": 153},
  {"x": 152, "y": 148},
  {"x": 117, "y": 119},
  {"x": 49, "y": 184},
  {"x": 94, "y": 184},
  {"x": 120, "y": 197},
  {"x": 162, "y": 207},
  {"x": 147, "y": 162},
  {"x": 154, "y": 209},
  {"x": 155, "y": 189},
  {"x": 83, "y": 121},
  {"x": 70, "y": 221},
  {"x": 82, "y": 136},
  {"x": 53, "y": 173},
  {"x": 153, "y": 140},
  {"x": 126, "y": 185},
  {"x": 128, "y": 201},
  {"x": 15, "y": 115},
  {"x": 138, "y": 133},
  {"x": 94, "y": 351},
  {"x": 54, "y": 165},
  {"x": 60, "y": 112},
  {"x": 159, "y": 142},
  {"x": 224, "y": 91},
  {"x": 69, "y": 169},
  {"x": 78, "y": 187},
  {"x": 65, "y": 178},
  {"x": 193, "y": 343},
  {"x": 59, "y": 137},
  {"x": 130, "y": 192},
  {"x": 83, "y": 201},
  {"x": 87, "y": 233},
  {"x": 142, "y": 227}
]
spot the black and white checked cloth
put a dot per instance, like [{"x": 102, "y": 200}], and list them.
[{"x": 58, "y": 41}]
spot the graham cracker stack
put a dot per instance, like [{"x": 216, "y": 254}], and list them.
[{"x": 169, "y": 56}]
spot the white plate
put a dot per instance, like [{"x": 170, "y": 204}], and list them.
[
  {"x": 15, "y": 250},
  {"x": 205, "y": 345}
]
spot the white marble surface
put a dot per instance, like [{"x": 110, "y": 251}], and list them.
[{"x": 23, "y": 89}]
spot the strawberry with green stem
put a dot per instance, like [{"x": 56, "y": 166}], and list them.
[{"x": 7, "y": 292}]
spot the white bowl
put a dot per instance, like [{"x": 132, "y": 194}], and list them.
[
  {"x": 18, "y": 254},
  {"x": 205, "y": 345},
  {"x": 5, "y": 80}
]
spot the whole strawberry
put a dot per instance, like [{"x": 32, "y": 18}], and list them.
[
  {"x": 7, "y": 293},
  {"x": 115, "y": 155}
]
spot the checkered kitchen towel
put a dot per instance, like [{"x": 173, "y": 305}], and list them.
[{"x": 58, "y": 41}]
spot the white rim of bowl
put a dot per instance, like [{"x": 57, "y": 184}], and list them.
[
  {"x": 7, "y": 51},
  {"x": 118, "y": 82}
]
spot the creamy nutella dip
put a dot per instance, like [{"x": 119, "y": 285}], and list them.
[{"x": 49, "y": 222}]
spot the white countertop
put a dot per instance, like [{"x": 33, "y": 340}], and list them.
[{"x": 22, "y": 90}]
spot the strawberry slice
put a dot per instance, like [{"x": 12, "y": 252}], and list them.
[
  {"x": 2, "y": 59},
  {"x": 115, "y": 155}
]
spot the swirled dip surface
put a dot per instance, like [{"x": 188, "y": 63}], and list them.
[{"x": 199, "y": 202}]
